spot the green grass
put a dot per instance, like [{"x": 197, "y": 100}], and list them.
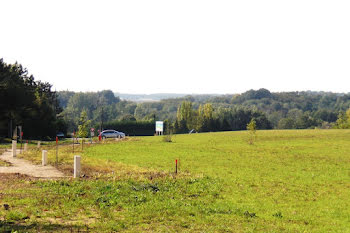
[
  {"x": 287, "y": 181},
  {"x": 4, "y": 164}
]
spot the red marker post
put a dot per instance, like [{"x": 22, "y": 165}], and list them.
[
  {"x": 99, "y": 135},
  {"x": 176, "y": 166}
]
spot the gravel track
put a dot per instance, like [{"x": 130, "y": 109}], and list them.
[{"x": 22, "y": 166}]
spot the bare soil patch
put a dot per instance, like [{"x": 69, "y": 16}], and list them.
[{"x": 24, "y": 167}]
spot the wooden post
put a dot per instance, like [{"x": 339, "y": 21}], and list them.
[
  {"x": 176, "y": 166},
  {"x": 44, "y": 158},
  {"x": 39, "y": 144},
  {"x": 14, "y": 148},
  {"x": 77, "y": 166}
]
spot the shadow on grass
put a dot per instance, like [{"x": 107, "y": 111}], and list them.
[{"x": 10, "y": 226}]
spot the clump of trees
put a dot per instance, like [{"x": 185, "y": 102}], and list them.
[
  {"x": 29, "y": 103},
  {"x": 100, "y": 107},
  {"x": 206, "y": 119},
  {"x": 343, "y": 121}
]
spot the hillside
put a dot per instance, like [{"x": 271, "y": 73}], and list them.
[{"x": 286, "y": 181}]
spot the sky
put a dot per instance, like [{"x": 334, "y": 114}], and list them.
[{"x": 182, "y": 46}]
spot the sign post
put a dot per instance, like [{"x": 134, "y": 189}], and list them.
[{"x": 159, "y": 127}]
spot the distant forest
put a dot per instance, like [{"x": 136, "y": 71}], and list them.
[
  {"x": 284, "y": 110},
  {"x": 43, "y": 113}
]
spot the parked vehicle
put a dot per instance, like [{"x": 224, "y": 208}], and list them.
[{"x": 112, "y": 134}]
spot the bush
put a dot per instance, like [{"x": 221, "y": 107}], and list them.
[{"x": 132, "y": 128}]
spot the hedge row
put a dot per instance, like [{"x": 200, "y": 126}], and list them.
[{"x": 132, "y": 128}]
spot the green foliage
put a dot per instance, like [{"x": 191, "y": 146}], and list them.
[
  {"x": 128, "y": 117},
  {"x": 132, "y": 128},
  {"x": 100, "y": 107},
  {"x": 206, "y": 119},
  {"x": 286, "y": 110},
  {"x": 251, "y": 127},
  {"x": 84, "y": 125},
  {"x": 185, "y": 115},
  {"x": 26, "y": 102},
  {"x": 291, "y": 181},
  {"x": 167, "y": 138},
  {"x": 15, "y": 216},
  {"x": 168, "y": 132},
  {"x": 343, "y": 121}
]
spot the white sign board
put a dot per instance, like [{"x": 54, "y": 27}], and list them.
[{"x": 159, "y": 126}]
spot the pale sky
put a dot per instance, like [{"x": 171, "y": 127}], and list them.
[{"x": 180, "y": 46}]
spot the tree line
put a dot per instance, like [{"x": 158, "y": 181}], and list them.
[
  {"x": 27, "y": 103},
  {"x": 207, "y": 119},
  {"x": 43, "y": 112},
  {"x": 285, "y": 110}
]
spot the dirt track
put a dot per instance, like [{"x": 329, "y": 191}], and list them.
[{"x": 22, "y": 166}]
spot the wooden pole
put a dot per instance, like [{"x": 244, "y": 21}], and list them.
[{"x": 176, "y": 166}]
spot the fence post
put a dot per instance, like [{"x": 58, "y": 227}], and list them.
[
  {"x": 14, "y": 148},
  {"x": 77, "y": 166},
  {"x": 44, "y": 158}
]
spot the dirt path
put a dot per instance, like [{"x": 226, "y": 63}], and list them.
[{"x": 25, "y": 167}]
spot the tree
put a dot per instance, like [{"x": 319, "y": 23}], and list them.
[
  {"x": 128, "y": 117},
  {"x": 286, "y": 123},
  {"x": 205, "y": 118},
  {"x": 26, "y": 102},
  {"x": 251, "y": 127},
  {"x": 343, "y": 121},
  {"x": 84, "y": 123},
  {"x": 185, "y": 116}
]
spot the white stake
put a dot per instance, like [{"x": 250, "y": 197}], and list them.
[
  {"x": 44, "y": 158},
  {"x": 77, "y": 166},
  {"x": 14, "y": 148}
]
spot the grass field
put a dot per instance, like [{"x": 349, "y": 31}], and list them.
[{"x": 287, "y": 181}]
